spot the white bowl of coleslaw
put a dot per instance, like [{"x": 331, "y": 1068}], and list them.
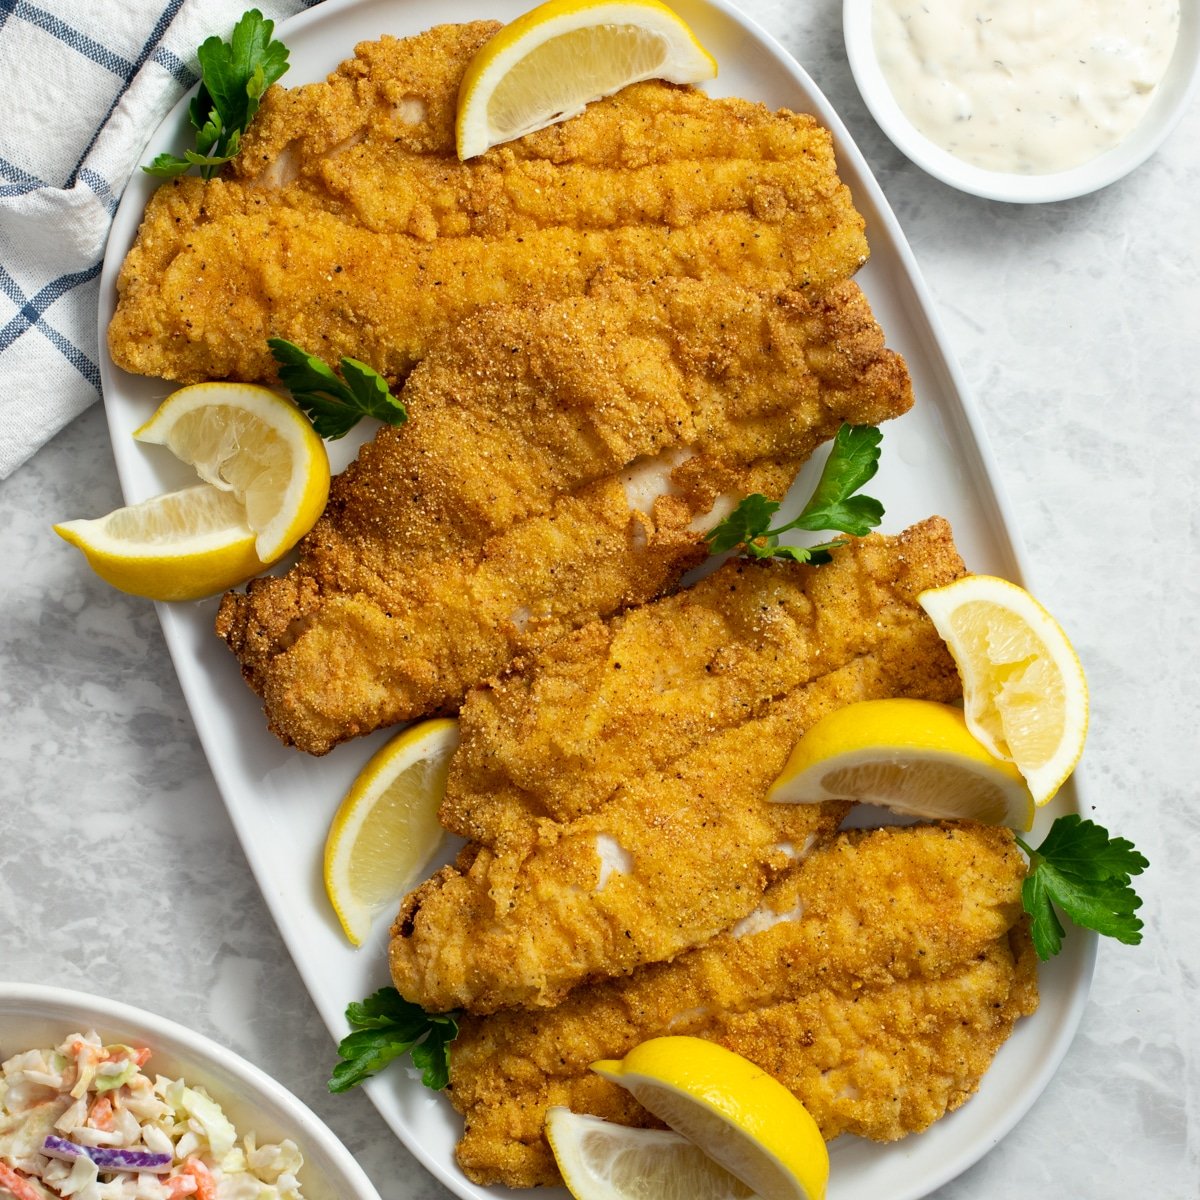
[{"x": 103, "y": 1101}]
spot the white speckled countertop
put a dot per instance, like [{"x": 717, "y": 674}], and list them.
[{"x": 1076, "y": 325}]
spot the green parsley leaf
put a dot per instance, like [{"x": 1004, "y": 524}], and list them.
[
  {"x": 851, "y": 465},
  {"x": 167, "y": 166},
  {"x": 380, "y": 1011},
  {"x": 335, "y": 404},
  {"x": 800, "y": 554},
  {"x": 804, "y": 554},
  {"x": 1086, "y": 873},
  {"x": 388, "y": 1026},
  {"x": 237, "y": 73},
  {"x": 852, "y": 462},
  {"x": 432, "y": 1056},
  {"x": 747, "y": 522},
  {"x": 234, "y": 76},
  {"x": 206, "y": 122}
]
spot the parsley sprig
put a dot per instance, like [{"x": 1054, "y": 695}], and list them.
[
  {"x": 852, "y": 462},
  {"x": 387, "y": 1026},
  {"x": 335, "y": 405},
  {"x": 234, "y": 76},
  {"x": 1086, "y": 873}
]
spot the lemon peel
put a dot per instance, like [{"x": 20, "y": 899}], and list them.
[
  {"x": 916, "y": 757},
  {"x": 743, "y": 1118},
  {"x": 386, "y": 830},
  {"x": 266, "y": 476},
  {"x": 1025, "y": 695},
  {"x": 549, "y": 63},
  {"x": 600, "y": 1160},
  {"x": 180, "y": 546},
  {"x": 248, "y": 440}
]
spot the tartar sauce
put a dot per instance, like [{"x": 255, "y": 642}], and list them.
[{"x": 1028, "y": 86}]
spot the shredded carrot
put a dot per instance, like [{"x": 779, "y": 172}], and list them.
[
  {"x": 100, "y": 1115},
  {"x": 19, "y": 1185},
  {"x": 206, "y": 1185},
  {"x": 179, "y": 1186},
  {"x": 120, "y": 1053}
]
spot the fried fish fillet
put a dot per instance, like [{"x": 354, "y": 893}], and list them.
[
  {"x": 624, "y": 697},
  {"x": 674, "y": 720},
  {"x": 876, "y": 980},
  {"x": 348, "y": 225},
  {"x": 560, "y": 462}
]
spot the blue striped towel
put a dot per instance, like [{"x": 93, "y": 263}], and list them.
[{"x": 83, "y": 84}]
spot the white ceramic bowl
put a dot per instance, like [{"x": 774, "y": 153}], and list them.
[
  {"x": 1168, "y": 106},
  {"x": 32, "y": 1015}
]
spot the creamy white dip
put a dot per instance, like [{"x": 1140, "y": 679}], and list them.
[{"x": 1028, "y": 86}]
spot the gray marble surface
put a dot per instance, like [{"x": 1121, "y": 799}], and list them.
[{"x": 1076, "y": 325}]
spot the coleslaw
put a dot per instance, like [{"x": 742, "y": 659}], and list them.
[{"x": 85, "y": 1121}]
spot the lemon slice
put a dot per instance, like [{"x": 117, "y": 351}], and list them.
[
  {"x": 742, "y": 1117},
  {"x": 386, "y": 829},
  {"x": 548, "y": 64},
  {"x": 1024, "y": 691},
  {"x": 602, "y": 1161},
  {"x": 248, "y": 440},
  {"x": 180, "y": 546},
  {"x": 913, "y": 756}
]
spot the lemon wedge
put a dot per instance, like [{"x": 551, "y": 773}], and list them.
[
  {"x": 267, "y": 480},
  {"x": 548, "y": 64},
  {"x": 599, "y": 1160},
  {"x": 386, "y": 829},
  {"x": 1024, "y": 692},
  {"x": 913, "y": 756},
  {"x": 180, "y": 546},
  {"x": 742, "y": 1117},
  {"x": 246, "y": 439}
]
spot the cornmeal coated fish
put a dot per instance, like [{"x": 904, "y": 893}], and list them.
[
  {"x": 876, "y": 979},
  {"x": 348, "y": 225},
  {"x": 562, "y": 461},
  {"x": 697, "y": 701},
  {"x": 624, "y": 697}
]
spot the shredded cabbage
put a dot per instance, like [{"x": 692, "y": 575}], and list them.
[
  {"x": 217, "y": 1127},
  {"x": 106, "y": 1080}
]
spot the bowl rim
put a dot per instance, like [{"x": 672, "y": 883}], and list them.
[
  {"x": 1174, "y": 93},
  {"x": 66, "y": 1006}
]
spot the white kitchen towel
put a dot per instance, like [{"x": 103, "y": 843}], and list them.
[{"x": 83, "y": 85}]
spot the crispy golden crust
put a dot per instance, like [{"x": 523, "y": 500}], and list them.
[
  {"x": 624, "y": 697},
  {"x": 673, "y": 841},
  {"x": 877, "y": 980},
  {"x": 349, "y": 226},
  {"x": 555, "y": 468}
]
